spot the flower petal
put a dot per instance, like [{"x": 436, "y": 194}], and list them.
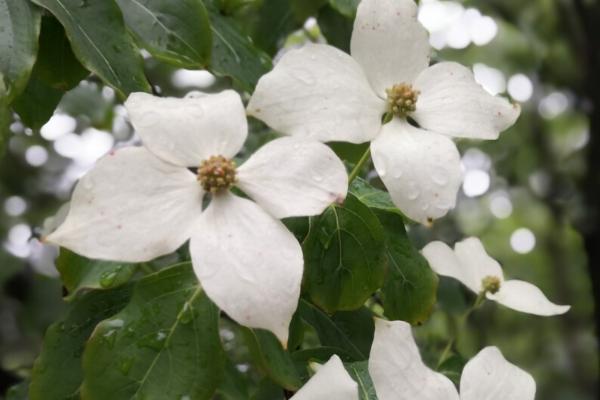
[
  {"x": 396, "y": 368},
  {"x": 249, "y": 264},
  {"x": 319, "y": 92},
  {"x": 331, "y": 382},
  {"x": 474, "y": 259},
  {"x": 189, "y": 130},
  {"x": 444, "y": 261},
  {"x": 527, "y": 298},
  {"x": 389, "y": 42},
  {"x": 132, "y": 206},
  {"x": 291, "y": 177},
  {"x": 452, "y": 103},
  {"x": 488, "y": 376},
  {"x": 420, "y": 169}
]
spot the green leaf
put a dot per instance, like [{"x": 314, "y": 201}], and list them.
[
  {"x": 271, "y": 358},
  {"x": 177, "y": 32},
  {"x": 19, "y": 30},
  {"x": 234, "y": 385},
  {"x": 345, "y": 7},
  {"x": 351, "y": 331},
  {"x": 57, "y": 373},
  {"x": 344, "y": 256},
  {"x": 233, "y": 53},
  {"x": 359, "y": 371},
  {"x": 80, "y": 273},
  {"x": 163, "y": 345},
  {"x": 410, "y": 288},
  {"x": 100, "y": 41},
  {"x": 56, "y": 64},
  {"x": 336, "y": 28},
  {"x": 5, "y": 117},
  {"x": 274, "y": 21},
  {"x": 372, "y": 197},
  {"x": 37, "y": 103},
  {"x": 268, "y": 390},
  {"x": 18, "y": 391}
]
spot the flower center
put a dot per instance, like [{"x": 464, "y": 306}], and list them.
[
  {"x": 491, "y": 284},
  {"x": 216, "y": 173},
  {"x": 402, "y": 99}
]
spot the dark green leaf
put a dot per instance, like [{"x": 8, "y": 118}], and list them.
[
  {"x": 177, "y": 32},
  {"x": 19, "y": 30},
  {"x": 268, "y": 390},
  {"x": 274, "y": 21},
  {"x": 80, "y": 273},
  {"x": 320, "y": 354},
  {"x": 359, "y": 371},
  {"x": 345, "y": 7},
  {"x": 410, "y": 287},
  {"x": 164, "y": 344},
  {"x": 37, "y": 103},
  {"x": 18, "y": 391},
  {"x": 57, "y": 373},
  {"x": 100, "y": 41},
  {"x": 351, "y": 332},
  {"x": 233, "y": 53},
  {"x": 296, "y": 332},
  {"x": 344, "y": 256},
  {"x": 5, "y": 117},
  {"x": 336, "y": 28},
  {"x": 56, "y": 64},
  {"x": 271, "y": 358},
  {"x": 372, "y": 197},
  {"x": 234, "y": 385},
  {"x": 452, "y": 367}
]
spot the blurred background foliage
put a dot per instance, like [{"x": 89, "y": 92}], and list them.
[{"x": 531, "y": 195}]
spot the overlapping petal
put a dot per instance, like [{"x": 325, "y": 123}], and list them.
[
  {"x": 527, "y": 298},
  {"x": 248, "y": 263},
  {"x": 189, "y": 130},
  {"x": 396, "y": 368},
  {"x": 292, "y": 177},
  {"x": 420, "y": 169},
  {"x": 452, "y": 103},
  {"x": 318, "y": 92},
  {"x": 132, "y": 206},
  {"x": 488, "y": 376},
  {"x": 389, "y": 43},
  {"x": 331, "y": 382}
]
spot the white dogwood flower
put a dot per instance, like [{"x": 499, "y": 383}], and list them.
[
  {"x": 398, "y": 372},
  {"x": 471, "y": 265},
  {"x": 139, "y": 203},
  {"x": 331, "y": 382},
  {"x": 321, "y": 92}
]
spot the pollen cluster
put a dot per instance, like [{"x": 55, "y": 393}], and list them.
[
  {"x": 491, "y": 284},
  {"x": 402, "y": 99},
  {"x": 216, "y": 173}
]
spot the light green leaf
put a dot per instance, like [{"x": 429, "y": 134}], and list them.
[
  {"x": 359, "y": 371},
  {"x": 233, "y": 53},
  {"x": 57, "y": 373},
  {"x": 79, "y": 273},
  {"x": 372, "y": 197},
  {"x": 100, "y": 41},
  {"x": 349, "y": 331},
  {"x": 410, "y": 288},
  {"x": 163, "y": 345},
  {"x": 271, "y": 358},
  {"x": 344, "y": 256},
  {"x": 177, "y": 32},
  {"x": 19, "y": 30}
]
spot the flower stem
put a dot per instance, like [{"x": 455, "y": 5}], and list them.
[
  {"x": 359, "y": 165},
  {"x": 461, "y": 323}
]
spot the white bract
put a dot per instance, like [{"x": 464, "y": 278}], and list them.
[
  {"x": 398, "y": 372},
  {"x": 471, "y": 265},
  {"x": 321, "y": 92},
  {"x": 331, "y": 382},
  {"x": 139, "y": 203}
]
